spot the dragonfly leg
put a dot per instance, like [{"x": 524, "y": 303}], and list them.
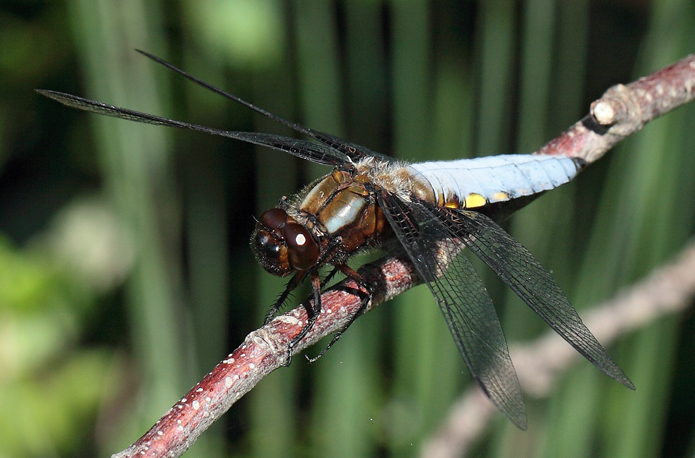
[
  {"x": 312, "y": 312},
  {"x": 329, "y": 277},
  {"x": 363, "y": 305},
  {"x": 291, "y": 285}
]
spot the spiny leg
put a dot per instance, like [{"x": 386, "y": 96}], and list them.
[
  {"x": 311, "y": 312},
  {"x": 329, "y": 277},
  {"x": 350, "y": 273},
  {"x": 291, "y": 285}
]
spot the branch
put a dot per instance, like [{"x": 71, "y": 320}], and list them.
[
  {"x": 622, "y": 111},
  {"x": 539, "y": 364},
  {"x": 263, "y": 351}
]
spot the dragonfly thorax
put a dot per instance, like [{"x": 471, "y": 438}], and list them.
[
  {"x": 331, "y": 220},
  {"x": 342, "y": 208}
]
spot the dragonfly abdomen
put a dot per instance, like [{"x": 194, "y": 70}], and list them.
[{"x": 472, "y": 183}]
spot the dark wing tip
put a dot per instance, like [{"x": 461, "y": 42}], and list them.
[
  {"x": 515, "y": 414},
  {"x": 522, "y": 425},
  {"x": 45, "y": 92},
  {"x": 146, "y": 54},
  {"x": 515, "y": 411},
  {"x": 61, "y": 97},
  {"x": 609, "y": 367},
  {"x": 623, "y": 379}
]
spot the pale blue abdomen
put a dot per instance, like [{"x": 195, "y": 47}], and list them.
[{"x": 470, "y": 183}]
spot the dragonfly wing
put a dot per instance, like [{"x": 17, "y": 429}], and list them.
[
  {"x": 352, "y": 150},
  {"x": 522, "y": 272},
  {"x": 467, "y": 307},
  {"x": 314, "y": 152}
]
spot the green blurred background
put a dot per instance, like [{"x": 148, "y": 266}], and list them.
[{"x": 125, "y": 273}]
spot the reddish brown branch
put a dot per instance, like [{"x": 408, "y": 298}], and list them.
[
  {"x": 263, "y": 351},
  {"x": 621, "y": 111},
  {"x": 539, "y": 364}
]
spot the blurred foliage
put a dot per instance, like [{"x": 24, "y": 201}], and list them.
[{"x": 125, "y": 273}]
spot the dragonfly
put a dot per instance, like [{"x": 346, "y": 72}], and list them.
[{"x": 433, "y": 211}]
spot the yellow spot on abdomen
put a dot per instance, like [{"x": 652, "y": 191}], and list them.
[
  {"x": 452, "y": 201},
  {"x": 499, "y": 197},
  {"x": 475, "y": 200}
]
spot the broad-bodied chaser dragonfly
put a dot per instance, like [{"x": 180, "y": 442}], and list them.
[{"x": 432, "y": 210}]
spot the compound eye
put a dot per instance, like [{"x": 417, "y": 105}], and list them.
[
  {"x": 274, "y": 218},
  {"x": 270, "y": 252},
  {"x": 303, "y": 250}
]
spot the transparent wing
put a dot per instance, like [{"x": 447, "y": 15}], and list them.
[
  {"x": 313, "y": 152},
  {"x": 462, "y": 298},
  {"x": 522, "y": 272},
  {"x": 352, "y": 150}
]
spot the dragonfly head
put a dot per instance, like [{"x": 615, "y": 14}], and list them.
[{"x": 281, "y": 245}]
